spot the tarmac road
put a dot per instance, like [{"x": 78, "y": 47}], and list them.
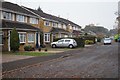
[{"x": 94, "y": 62}]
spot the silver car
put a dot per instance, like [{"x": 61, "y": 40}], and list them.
[
  {"x": 64, "y": 43},
  {"x": 107, "y": 41}
]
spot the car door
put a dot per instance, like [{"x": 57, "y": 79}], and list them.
[
  {"x": 66, "y": 43},
  {"x": 60, "y": 43}
]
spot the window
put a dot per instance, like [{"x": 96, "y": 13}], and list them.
[
  {"x": 47, "y": 23},
  {"x": 59, "y": 25},
  {"x": 22, "y": 37},
  {"x": 1, "y": 38},
  {"x": 64, "y": 26},
  {"x": 67, "y": 40},
  {"x": 31, "y": 37},
  {"x": 61, "y": 41},
  {"x": 7, "y": 15},
  {"x": 33, "y": 20},
  {"x": 47, "y": 37},
  {"x": 20, "y": 18},
  {"x": 54, "y": 24}
]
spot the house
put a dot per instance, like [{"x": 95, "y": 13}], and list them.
[
  {"x": 25, "y": 22},
  {"x": 55, "y": 27}
]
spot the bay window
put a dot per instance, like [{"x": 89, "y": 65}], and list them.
[{"x": 31, "y": 37}]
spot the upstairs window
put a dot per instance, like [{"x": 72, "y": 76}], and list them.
[
  {"x": 59, "y": 25},
  {"x": 47, "y": 23},
  {"x": 33, "y": 21},
  {"x": 54, "y": 24},
  {"x": 64, "y": 27},
  {"x": 7, "y": 15},
  {"x": 20, "y": 18}
]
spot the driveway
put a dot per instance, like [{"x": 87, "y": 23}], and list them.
[{"x": 93, "y": 62}]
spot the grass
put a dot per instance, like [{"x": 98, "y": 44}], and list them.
[{"x": 29, "y": 53}]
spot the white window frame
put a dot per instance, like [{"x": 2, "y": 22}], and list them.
[
  {"x": 64, "y": 27},
  {"x": 1, "y": 34},
  {"x": 54, "y": 24},
  {"x": 33, "y": 20},
  {"x": 48, "y": 37},
  {"x": 7, "y": 16},
  {"x": 32, "y": 35},
  {"x": 46, "y": 23},
  {"x": 20, "y": 18},
  {"x": 59, "y": 25},
  {"x": 24, "y": 37},
  {"x": 70, "y": 27}
]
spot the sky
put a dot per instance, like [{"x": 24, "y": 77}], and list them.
[{"x": 81, "y": 12}]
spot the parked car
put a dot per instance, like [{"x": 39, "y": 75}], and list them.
[
  {"x": 64, "y": 43},
  {"x": 107, "y": 41},
  {"x": 119, "y": 39}
]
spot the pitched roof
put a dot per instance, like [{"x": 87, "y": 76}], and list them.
[
  {"x": 15, "y": 7},
  {"x": 52, "y": 17},
  {"x": 58, "y": 30},
  {"x": 6, "y": 24}
]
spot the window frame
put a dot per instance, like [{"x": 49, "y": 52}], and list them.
[
  {"x": 24, "y": 37},
  {"x": 7, "y": 15},
  {"x": 33, "y": 20},
  {"x": 48, "y": 37},
  {"x": 45, "y": 23},
  {"x": 1, "y": 34},
  {"x": 20, "y": 18},
  {"x": 32, "y": 35}
]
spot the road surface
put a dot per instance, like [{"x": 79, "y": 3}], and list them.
[{"x": 100, "y": 61}]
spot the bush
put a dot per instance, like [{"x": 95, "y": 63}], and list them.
[
  {"x": 91, "y": 38},
  {"x": 89, "y": 42},
  {"x": 14, "y": 40},
  {"x": 29, "y": 48}
]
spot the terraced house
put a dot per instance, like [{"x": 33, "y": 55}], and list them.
[
  {"x": 31, "y": 24},
  {"x": 25, "y": 22},
  {"x": 55, "y": 27}
]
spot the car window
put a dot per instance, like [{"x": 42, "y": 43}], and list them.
[
  {"x": 61, "y": 41},
  {"x": 67, "y": 40}
]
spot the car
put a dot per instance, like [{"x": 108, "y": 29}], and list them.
[
  {"x": 71, "y": 43},
  {"x": 107, "y": 41},
  {"x": 119, "y": 39}
]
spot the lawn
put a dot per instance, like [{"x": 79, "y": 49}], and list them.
[{"x": 29, "y": 53}]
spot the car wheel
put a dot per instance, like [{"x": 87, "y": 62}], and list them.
[
  {"x": 53, "y": 46},
  {"x": 70, "y": 46}
]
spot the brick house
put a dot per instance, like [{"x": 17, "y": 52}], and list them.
[{"x": 26, "y": 23}]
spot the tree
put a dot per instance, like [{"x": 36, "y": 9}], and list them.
[{"x": 14, "y": 40}]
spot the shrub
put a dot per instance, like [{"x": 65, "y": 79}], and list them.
[
  {"x": 89, "y": 42},
  {"x": 14, "y": 40},
  {"x": 45, "y": 49},
  {"x": 28, "y": 48}
]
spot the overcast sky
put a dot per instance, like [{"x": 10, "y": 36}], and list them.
[{"x": 82, "y": 12}]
